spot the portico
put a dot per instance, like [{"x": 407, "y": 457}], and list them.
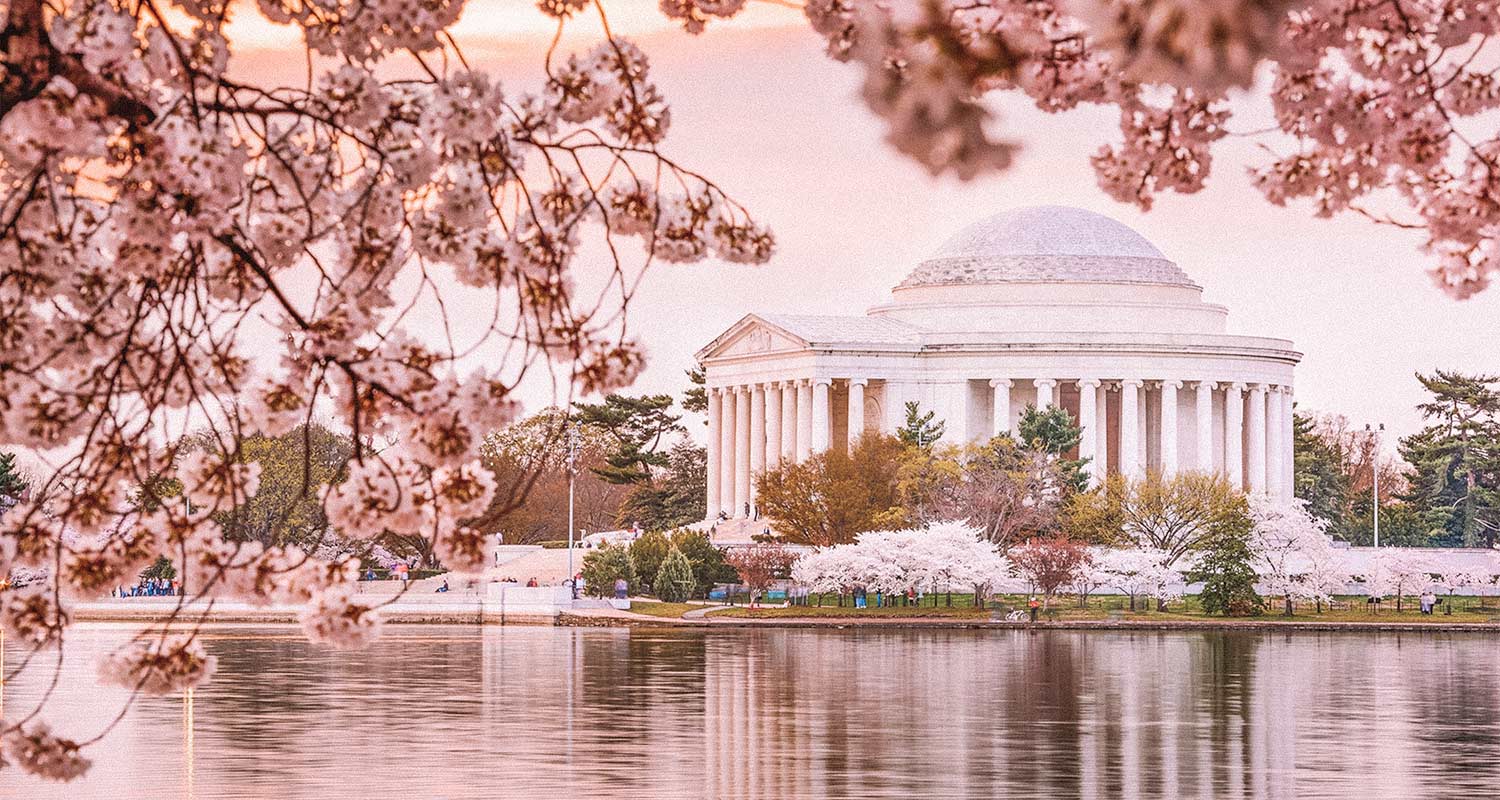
[{"x": 1041, "y": 306}]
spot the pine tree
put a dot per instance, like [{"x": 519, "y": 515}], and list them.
[
  {"x": 674, "y": 581},
  {"x": 1456, "y": 477},
  {"x": 1053, "y": 431},
  {"x": 11, "y": 482},
  {"x": 920, "y": 430},
  {"x": 1224, "y": 568}
]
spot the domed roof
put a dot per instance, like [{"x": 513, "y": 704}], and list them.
[{"x": 1047, "y": 244}]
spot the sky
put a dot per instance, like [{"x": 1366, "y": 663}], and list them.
[{"x": 757, "y": 106}]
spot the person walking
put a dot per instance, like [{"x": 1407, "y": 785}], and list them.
[
  {"x": 1034, "y": 606},
  {"x": 621, "y": 587}
]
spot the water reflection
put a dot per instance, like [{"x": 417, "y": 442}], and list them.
[{"x": 796, "y": 713}]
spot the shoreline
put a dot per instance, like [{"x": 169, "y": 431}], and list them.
[{"x": 477, "y": 614}]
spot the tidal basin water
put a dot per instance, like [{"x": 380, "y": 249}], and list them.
[{"x": 546, "y": 713}]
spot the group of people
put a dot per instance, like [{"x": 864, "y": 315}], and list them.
[
  {"x": 149, "y": 587},
  {"x": 1428, "y": 602}
]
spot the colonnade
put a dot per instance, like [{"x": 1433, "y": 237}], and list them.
[{"x": 757, "y": 427}]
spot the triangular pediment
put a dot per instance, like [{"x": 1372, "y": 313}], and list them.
[{"x": 752, "y": 336}]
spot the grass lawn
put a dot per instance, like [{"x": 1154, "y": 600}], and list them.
[
  {"x": 659, "y": 609},
  {"x": 848, "y": 612}
]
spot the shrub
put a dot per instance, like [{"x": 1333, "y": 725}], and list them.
[
  {"x": 675, "y": 581},
  {"x": 647, "y": 553},
  {"x": 602, "y": 567}
]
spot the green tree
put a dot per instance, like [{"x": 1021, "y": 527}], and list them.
[
  {"x": 695, "y": 397},
  {"x": 647, "y": 553},
  {"x": 12, "y": 485},
  {"x": 706, "y": 560},
  {"x": 920, "y": 430},
  {"x": 676, "y": 497},
  {"x": 1052, "y": 430},
  {"x": 637, "y": 428},
  {"x": 1456, "y": 458},
  {"x": 675, "y": 581},
  {"x": 602, "y": 567},
  {"x": 1319, "y": 474},
  {"x": 161, "y": 568},
  {"x": 1224, "y": 568},
  {"x": 294, "y": 467}
]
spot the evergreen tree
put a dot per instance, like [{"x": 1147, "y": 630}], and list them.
[
  {"x": 1224, "y": 568},
  {"x": 706, "y": 560},
  {"x": 676, "y": 497},
  {"x": 11, "y": 482},
  {"x": 647, "y": 554},
  {"x": 1318, "y": 473},
  {"x": 1053, "y": 431},
  {"x": 920, "y": 430},
  {"x": 637, "y": 428},
  {"x": 674, "y": 581},
  {"x": 602, "y": 567},
  {"x": 1456, "y": 459},
  {"x": 696, "y": 397}
]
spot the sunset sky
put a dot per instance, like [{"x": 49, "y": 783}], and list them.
[{"x": 758, "y": 107}]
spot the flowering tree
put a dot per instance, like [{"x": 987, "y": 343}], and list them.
[
  {"x": 1286, "y": 541},
  {"x": 189, "y": 249},
  {"x": 759, "y": 564},
  {"x": 1142, "y": 572},
  {"x": 1049, "y": 564},
  {"x": 1327, "y": 574},
  {"x": 1398, "y": 572},
  {"x": 935, "y": 559},
  {"x": 1380, "y": 108}
]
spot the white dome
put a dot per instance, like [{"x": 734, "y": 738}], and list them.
[{"x": 1047, "y": 244}]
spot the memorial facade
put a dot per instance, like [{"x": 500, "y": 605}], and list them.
[{"x": 1044, "y": 305}]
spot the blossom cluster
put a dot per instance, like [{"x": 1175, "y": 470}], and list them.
[{"x": 193, "y": 257}]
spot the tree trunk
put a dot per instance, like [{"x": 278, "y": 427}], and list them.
[{"x": 1288, "y": 599}]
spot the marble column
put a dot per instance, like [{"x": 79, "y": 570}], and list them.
[
  {"x": 1169, "y": 427},
  {"x": 1130, "y": 428},
  {"x": 773, "y": 426},
  {"x": 1088, "y": 420},
  {"x": 1203, "y": 458},
  {"x": 789, "y": 422},
  {"x": 1101, "y": 415},
  {"x": 757, "y": 436},
  {"x": 1001, "y": 413},
  {"x": 822, "y": 420},
  {"x": 741, "y": 450},
  {"x": 1273, "y": 441},
  {"x": 1288, "y": 439},
  {"x": 1234, "y": 435},
  {"x": 727, "y": 418},
  {"x": 804, "y": 420},
  {"x": 856, "y": 410},
  {"x": 1255, "y": 442},
  {"x": 715, "y": 449},
  {"x": 1044, "y": 393}
]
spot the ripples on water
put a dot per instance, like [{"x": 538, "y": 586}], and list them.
[{"x": 556, "y": 712}]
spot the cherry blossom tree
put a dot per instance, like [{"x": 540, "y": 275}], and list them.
[
  {"x": 936, "y": 559},
  {"x": 1142, "y": 572},
  {"x": 391, "y": 241},
  {"x": 1381, "y": 107},
  {"x": 1327, "y": 575},
  {"x": 759, "y": 564},
  {"x": 1286, "y": 541},
  {"x": 1398, "y": 572},
  {"x": 1049, "y": 564}
]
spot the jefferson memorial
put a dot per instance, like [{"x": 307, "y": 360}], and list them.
[{"x": 1044, "y": 305}]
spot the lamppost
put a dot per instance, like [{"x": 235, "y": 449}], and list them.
[
  {"x": 572, "y": 473},
  {"x": 1375, "y": 474}
]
